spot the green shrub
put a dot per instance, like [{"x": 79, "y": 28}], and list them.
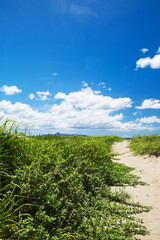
[
  {"x": 146, "y": 145},
  {"x": 56, "y": 187}
]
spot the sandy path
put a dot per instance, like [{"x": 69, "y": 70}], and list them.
[{"x": 148, "y": 168}]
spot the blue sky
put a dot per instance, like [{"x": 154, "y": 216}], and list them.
[{"x": 81, "y": 66}]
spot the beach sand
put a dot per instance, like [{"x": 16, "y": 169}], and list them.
[{"x": 148, "y": 168}]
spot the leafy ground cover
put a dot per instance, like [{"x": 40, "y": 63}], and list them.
[
  {"x": 146, "y": 145},
  {"x": 56, "y": 187}
]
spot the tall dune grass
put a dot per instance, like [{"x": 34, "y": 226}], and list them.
[
  {"x": 59, "y": 188},
  {"x": 146, "y": 145}
]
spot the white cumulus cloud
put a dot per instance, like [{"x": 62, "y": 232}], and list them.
[
  {"x": 84, "y": 109},
  {"x": 89, "y": 99},
  {"x": 158, "y": 51},
  {"x": 84, "y": 84},
  {"x": 31, "y": 96},
  {"x": 144, "y": 50},
  {"x": 150, "y": 104},
  {"x": 10, "y": 90},
  {"x": 43, "y": 95},
  {"x": 153, "y": 63},
  {"x": 149, "y": 120}
]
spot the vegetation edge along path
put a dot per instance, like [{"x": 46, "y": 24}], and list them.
[{"x": 146, "y": 167}]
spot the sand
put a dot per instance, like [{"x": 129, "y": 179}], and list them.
[{"x": 148, "y": 168}]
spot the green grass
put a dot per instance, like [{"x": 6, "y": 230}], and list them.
[
  {"x": 146, "y": 145},
  {"x": 56, "y": 187}
]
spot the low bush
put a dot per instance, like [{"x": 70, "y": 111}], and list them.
[
  {"x": 146, "y": 145},
  {"x": 56, "y": 187}
]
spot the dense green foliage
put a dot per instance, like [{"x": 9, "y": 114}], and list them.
[
  {"x": 57, "y": 187},
  {"x": 146, "y": 145}
]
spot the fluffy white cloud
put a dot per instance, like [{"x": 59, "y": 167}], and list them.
[
  {"x": 84, "y": 109},
  {"x": 89, "y": 99},
  {"x": 47, "y": 93},
  {"x": 88, "y": 110},
  {"x": 137, "y": 125},
  {"x": 97, "y": 92},
  {"x": 144, "y": 50},
  {"x": 85, "y": 84},
  {"x": 31, "y": 96},
  {"x": 10, "y": 90},
  {"x": 43, "y": 95},
  {"x": 149, "y": 120},
  {"x": 154, "y": 62},
  {"x": 158, "y": 51},
  {"x": 150, "y": 104},
  {"x": 24, "y": 115},
  {"x": 60, "y": 96}
]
